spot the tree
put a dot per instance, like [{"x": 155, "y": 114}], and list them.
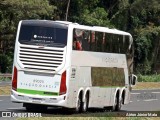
[
  {"x": 11, "y": 12},
  {"x": 88, "y": 12}
]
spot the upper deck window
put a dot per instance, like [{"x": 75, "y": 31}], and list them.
[{"x": 43, "y": 33}]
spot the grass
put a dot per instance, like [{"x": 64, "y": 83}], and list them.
[
  {"x": 149, "y": 78},
  {"x": 5, "y": 90},
  {"x": 147, "y": 85},
  {"x": 5, "y": 79}
]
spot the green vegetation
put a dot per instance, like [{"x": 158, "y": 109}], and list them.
[
  {"x": 139, "y": 17},
  {"x": 4, "y": 79},
  {"x": 148, "y": 78}
]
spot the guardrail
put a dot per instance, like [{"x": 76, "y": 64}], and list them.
[{"x": 5, "y": 76}]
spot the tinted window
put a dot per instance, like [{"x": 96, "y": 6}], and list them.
[
  {"x": 100, "y": 42},
  {"x": 50, "y": 35}
]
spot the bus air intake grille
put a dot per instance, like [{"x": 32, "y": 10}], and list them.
[{"x": 41, "y": 59}]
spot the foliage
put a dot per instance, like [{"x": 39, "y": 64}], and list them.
[
  {"x": 148, "y": 78},
  {"x": 97, "y": 17},
  {"x": 146, "y": 45},
  {"x": 6, "y": 62},
  {"x": 3, "y": 63},
  {"x": 11, "y": 12},
  {"x": 139, "y": 17},
  {"x": 89, "y": 13}
]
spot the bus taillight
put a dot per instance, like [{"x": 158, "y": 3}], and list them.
[
  {"x": 14, "y": 81},
  {"x": 63, "y": 87}
]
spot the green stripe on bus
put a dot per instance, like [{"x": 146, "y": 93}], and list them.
[
  {"x": 34, "y": 92},
  {"x": 111, "y": 86}
]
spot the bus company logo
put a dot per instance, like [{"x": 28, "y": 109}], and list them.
[
  {"x": 41, "y": 47},
  {"x": 43, "y": 37},
  {"x": 38, "y": 81},
  {"x": 35, "y": 36},
  {"x": 110, "y": 60},
  {"x": 37, "y": 85}
]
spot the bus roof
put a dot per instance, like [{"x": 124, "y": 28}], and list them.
[{"x": 95, "y": 28}]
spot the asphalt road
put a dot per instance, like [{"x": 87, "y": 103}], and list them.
[
  {"x": 141, "y": 100},
  {"x": 144, "y": 100},
  {"x": 3, "y": 83}
]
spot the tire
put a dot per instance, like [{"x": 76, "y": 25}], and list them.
[
  {"x": 85, "y": 104},
  {"x": 115, "y": 104},
  {"x": 78, "y": 108},
  {"x": 119, "y": 105}
]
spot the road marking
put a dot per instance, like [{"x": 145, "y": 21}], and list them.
[
  {"x": 1, "y": 100},
  {"x": 130, "y": 101},
  {"x": 5, "y": 95},
  {"x": 135, "y": 93},
  {"x": 138, "y": 100},
  {"x": 20, "y": 108},
  {"x": 155, "y": 92},
  {"x": 150, "y": 100}
]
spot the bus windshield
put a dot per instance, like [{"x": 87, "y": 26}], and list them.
[{"x": 43, "y": 34}]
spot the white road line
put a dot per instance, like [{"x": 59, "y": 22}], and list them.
[
  {"x": 1, "y": 100},
  {"x": 150, "y": 100},
  {"x": 4, "y": 95},
  {"x": 155, "y": 92},
  {"x": 138, "y": 100},
  {"x": 135, "y": 93},
  {"x": 130, "y": 101},
  {"x": 20, "y": 108}
]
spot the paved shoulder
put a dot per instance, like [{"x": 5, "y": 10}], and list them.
[{"x": 144, "y": 100}]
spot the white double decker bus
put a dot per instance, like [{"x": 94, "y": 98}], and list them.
[{"x": 65, "y": 64}]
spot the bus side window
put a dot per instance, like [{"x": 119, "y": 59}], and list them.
[
  {"x": 77, "y": 45},
  {"x": 86, "y": 40},
  {"x": 77, "y": 39}
]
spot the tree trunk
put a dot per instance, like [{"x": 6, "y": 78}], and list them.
[{"x": 67, "y": 9}]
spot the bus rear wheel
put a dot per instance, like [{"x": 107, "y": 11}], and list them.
[
  {"x": 85, "y": 103},
  {"x": 78, "y": 108},
  {"x": 117, "y": 104}
]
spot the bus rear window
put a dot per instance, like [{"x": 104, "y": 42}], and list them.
[{"x": 41, "y": 35}]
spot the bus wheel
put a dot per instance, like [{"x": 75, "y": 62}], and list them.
[
  {"x": 119, "y": 105},
  {"x": 78, "y": 105},
  {"x": 85, "y": 103},
  {"x": 115, "y": 104}
]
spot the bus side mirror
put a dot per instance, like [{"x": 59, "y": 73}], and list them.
[{"x": 133, "y": 80}]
